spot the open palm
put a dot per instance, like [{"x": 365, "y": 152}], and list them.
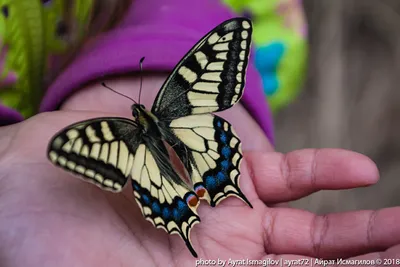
[{"x": 48, "y": 218}]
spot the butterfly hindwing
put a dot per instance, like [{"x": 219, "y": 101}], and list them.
[
  {"x": 211, "y": 76},
  {"x": 165, "y": 203},
  {"x": 211, "y": 152},
  {"x": 99, "y": 150}
]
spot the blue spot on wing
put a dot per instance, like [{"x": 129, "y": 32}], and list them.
[
  {"x": 181, "y": 205},
  {"x": 166, "y": 214},
  {"x": 177, "y": 211},
  {"x": 225, "y": 165},
  {"x": 216, "y": 180},
  {"x": 155, "y": 208},
  {"x": 146, "y": 199},
  {"x": 176, "y": 215},
  {"x": 210, "y": 183},
  {"x": 223, "y": 138},
  {"x": 136, "y": 187},
  {"x": 226, "y": 151},
  {"x": 221, "y": 176}
]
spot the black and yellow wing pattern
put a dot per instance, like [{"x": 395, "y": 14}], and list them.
[
  {"x": 100, "y": 151},
  {"x": 167, "y": 203},
  {"x": 211, "y": 152},
  {"x": 110, "y": 151},
  {"x": 210, "y": 78}
]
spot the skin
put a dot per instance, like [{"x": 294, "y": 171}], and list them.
[{"x": 49, "y": 218}]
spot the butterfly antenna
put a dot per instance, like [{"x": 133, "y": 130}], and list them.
[
  {"x": 141, "y": 76},
  {"x": 104, "y": 84}
]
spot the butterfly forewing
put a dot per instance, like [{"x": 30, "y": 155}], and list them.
[
  {"x": 99, "y": 150},
  {"x": 211, "y": 76}
]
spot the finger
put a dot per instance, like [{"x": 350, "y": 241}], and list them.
[
  {"x": 333, "y": 235},
  {"x": 283, "y": 177}
]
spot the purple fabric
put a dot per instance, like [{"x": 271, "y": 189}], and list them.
[
  {"x": 162, "y": 31},
  {"x": 9, "y": 116}
]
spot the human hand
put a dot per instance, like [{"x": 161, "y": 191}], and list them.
[{"x": 47, "y": 218}]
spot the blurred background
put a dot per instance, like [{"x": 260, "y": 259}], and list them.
[{"x": 350, "y": 98}]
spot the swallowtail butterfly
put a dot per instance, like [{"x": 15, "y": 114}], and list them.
[{"x": 110, "y": 151}]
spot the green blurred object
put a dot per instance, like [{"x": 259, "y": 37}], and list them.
[{"x": 31, "y": 33}]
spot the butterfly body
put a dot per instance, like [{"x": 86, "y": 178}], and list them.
[
  {"x": 109, "y": 151},
  {"x": 146, "y": 120}
]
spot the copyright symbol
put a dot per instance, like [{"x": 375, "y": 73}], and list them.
[{"x": 378, "y": 261}]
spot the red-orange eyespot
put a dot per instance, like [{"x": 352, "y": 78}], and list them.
[
  {"x": 200, "y": 191},
  {"x": 192, "y": 200}
]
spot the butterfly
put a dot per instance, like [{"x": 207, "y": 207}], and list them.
[{"x": 111, "y": 151}]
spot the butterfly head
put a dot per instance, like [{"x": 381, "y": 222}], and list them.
[
  {"x": 137, "y": 110},
  {"x": 143, "y": 117}
]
